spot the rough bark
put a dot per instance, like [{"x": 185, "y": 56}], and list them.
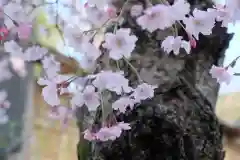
[{"x": 179, "y": 123}]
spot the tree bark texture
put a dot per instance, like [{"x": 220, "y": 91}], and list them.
[{"x": 179, "y": 123}]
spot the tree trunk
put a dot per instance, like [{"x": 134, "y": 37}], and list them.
[{"x": 179, "y": 123}]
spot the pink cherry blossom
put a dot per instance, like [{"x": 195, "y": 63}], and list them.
[
  {"x": 88, "y": 97},
  {"x": 221, "y": 74},
  {"x": 111, "y": 11},
  {"x": 113, "y": 132},
  {"x": 24, "y": 30},
  {"x": 88, "y": 135},
  {"x": 120, "y": 44}
]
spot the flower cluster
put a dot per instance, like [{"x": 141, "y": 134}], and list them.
[{"x": 94, "y": 87}]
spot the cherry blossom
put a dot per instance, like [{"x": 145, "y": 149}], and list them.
[
  {"x": 113, "y": 132},
  {"x": 201, "y": 22},
  {"x": 6, "y": 74},
  {"x": 24, "y": 30},
  {"x": 90, "y": 55},
  {"x": 13, "y": 48},
  {"x": 120, "y": 44},
  {"x": 221, "y": 74},
  {"x": 136, "y": 10},
  {"x": 143, "y": 91},
  {"x": 122, "y": 104},
  {"x": 60, "y": 113},
  {"x": 15, "y": 11},
  {"x": 49, "y": 92},
  {"x": 88, "y": 97},
  {"x": 234, "y": 8},
  {"x": 34, "y": 53},
  {"x": 179, "y": 9},
  {"x": 99, "y": 3},
  {"x": 174, "y": 44},
  {"x": 124, "y": 126},
  {"x": 223, "y": 14},
  {"x": 104, "y": 80},
  {"x": 50, "y": 65},
  {"x": 155, "y": 14},
  {"x": 88, "y": 135},
  {"x": 18, "y": 66},
  {"x": 96, "y": 16}
]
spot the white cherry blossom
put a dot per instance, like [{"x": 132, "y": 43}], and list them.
[
  {"x": 223, "y": 14},
  {"x": 18, "y": 65},
  {"x": 234, "y": 8},
  {"x": 99, "y": 3},
  {"x": 49, "y": 92},
  {"x": 113, "y": 81},
  {"x": 88, "y": 135},
  {"x": 6, "y": 74},
  {"x": 13, "y": 48},
  {"x": 88, "y": 97},
  {"x": 15, "y": 11},
  {"x": 50, "y": 66},
  {"x": 136, "y": 10},
  {"x": 174, "y": 44},
  {"x": 201, "y": 22},
  {"x": 122, "y": 104},
  {"x": 179, "y": 9},
  {"x": 96, "y": 16},
  {"x": 120, "y": 44},
  {"x": 124, "y": 126},
  {"x": 90, "y": 55},
  {"x": 34, "y": 53},
  {"x": 143, "y": 91},
  {"x": 156, "y": 17}
]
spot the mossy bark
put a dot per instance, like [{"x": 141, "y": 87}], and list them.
[{"x": 179, "y": 122}]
